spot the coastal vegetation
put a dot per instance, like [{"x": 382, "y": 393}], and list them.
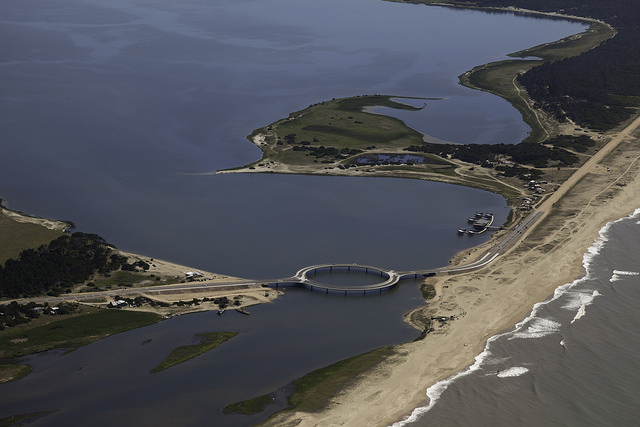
[
  {"x": 501, "y": 78},
  {"x": 81, "y": 327},
  {"x": 309, "y": 141},
  {"x": 594, "y": 88},
  {"x": 17, "y": 236},
  {"x": 343, "y": 136},
  {"x": 337, "y": 134},
  {"x": 249, "y": 406},
  {"x": 56, "y": 267},
  {"x": 335, "y": 130},
  {"x": 13, "y": 371},
  {"x": 549, "y": 85},
  {"x": 67, "y": 263},
  {"x": 22, "y": 419},
  {"x": 428, "y": 291},
  {"x": 85, "y": 326},
  {"x": 313, "y": 391},
  {"x": 208, "y": 341}
]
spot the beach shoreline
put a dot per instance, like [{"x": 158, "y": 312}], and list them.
[
  {"x": 492, "y": 300},
  {"x": 163, "y": 281}
]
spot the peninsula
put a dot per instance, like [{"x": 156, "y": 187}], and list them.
[
  {"x": 585, "y": 176},
  {"x": 578, "y": 178}
]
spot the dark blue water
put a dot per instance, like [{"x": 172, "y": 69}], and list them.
[
  {"x": 277, "y": 343},
  {"x": 110, "y": 113},
  {"x": 107, "y": 110}
]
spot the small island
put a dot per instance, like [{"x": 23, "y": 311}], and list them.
[{"x": 207, "y": 341}]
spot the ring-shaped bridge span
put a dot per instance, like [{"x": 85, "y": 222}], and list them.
[{"x": 389, "y": 278}]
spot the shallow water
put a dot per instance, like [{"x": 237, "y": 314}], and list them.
[{"x": 111, "y": 111}]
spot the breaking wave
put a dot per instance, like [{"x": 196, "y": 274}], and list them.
[
  {"x": 536, "y": 327},
  {"x": 617, "y": 273},
  {"x": 516, "y": 371}
]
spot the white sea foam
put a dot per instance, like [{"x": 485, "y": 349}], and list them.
[
  {"x": 575, "y": 299},
  {"x": 617, "y": 273},
  {"x": 546, "y": 326},
  {"x": 515, "y": 371},
  {"x": 435, "y": 391},
  {"x": 537, "y": 328},
  {"x": 626, "y": 273},
  {"x": 583, "y": 307}
]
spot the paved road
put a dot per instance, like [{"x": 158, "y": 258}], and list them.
[{"x": 515, "y": 235}]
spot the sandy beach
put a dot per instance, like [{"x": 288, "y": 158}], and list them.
[
  {"x": 243, "y": 292},
  {"x": 495, "y": 298}
]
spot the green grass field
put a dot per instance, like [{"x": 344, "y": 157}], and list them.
[
  {"x": 340, "y": 124},
  {"x": 17, "y": 236}
]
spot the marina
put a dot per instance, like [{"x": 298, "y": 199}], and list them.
[{"x": 480, "y": 222}]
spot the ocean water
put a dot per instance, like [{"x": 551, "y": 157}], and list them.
[
  {"x": 110, "y": 113},
  {"x": 572, "y": 362}
]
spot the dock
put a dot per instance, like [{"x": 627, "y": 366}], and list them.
[{"x": 481, "y": 222}]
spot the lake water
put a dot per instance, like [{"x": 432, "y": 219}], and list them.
[
  {"x": 108, "y": 109},
  {"x": 110, "y": 113}
]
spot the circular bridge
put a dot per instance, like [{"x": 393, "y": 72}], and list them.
[{"x": 389, "y": 278}]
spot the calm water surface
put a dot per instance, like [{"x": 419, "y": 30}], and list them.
[
  {"x": 109, "y": 108},
  {"x": 110, "y": 113}
]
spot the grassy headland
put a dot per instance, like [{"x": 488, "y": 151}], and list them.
[
  {"x": 499, "y": 77},
  {"x": 19, "y": 231},
  {"x": 340, "y": 137},
  {"x": 334, "y": 130}
]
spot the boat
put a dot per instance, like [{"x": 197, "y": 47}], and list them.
[
  {"x": 462, "y": 230},
  {"x": 220, "y": 311},
  {"x": 471, "y": 232}
]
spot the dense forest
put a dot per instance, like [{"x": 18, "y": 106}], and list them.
[
  {"x": 54, "y": 268},
  {"x": 498, "y": 156},
  {"x": 600, "y": 88}
]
